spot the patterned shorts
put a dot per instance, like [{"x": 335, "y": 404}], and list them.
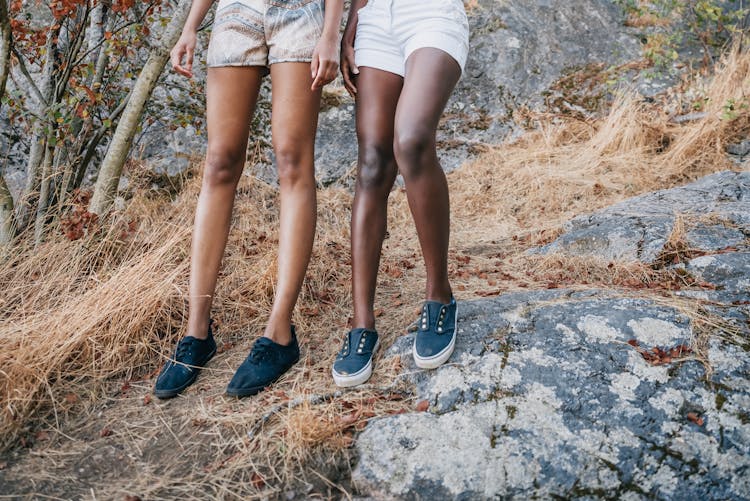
[{"x": 264, "y": 32}]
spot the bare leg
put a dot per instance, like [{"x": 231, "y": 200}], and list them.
[
  {"x": 231, "y": 95},
  {"x": 294, "y": 119},
  {"x": 431, "y": 75},
  {"x": 377, "y": 97}
]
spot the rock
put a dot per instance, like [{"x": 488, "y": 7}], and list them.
[
  {"x": 729, "y": 272},
  {"x": 558, "y": 404},
  {"x": 716, "y": 210},
  {"x": 590, "y": 394},
  {"x": 740, "y": 150}
]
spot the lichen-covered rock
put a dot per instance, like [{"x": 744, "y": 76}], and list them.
[
  {"x": 591, "y": 394},
  {"x": 544, "y": 397},
  {"x": 715, "y": 211}
]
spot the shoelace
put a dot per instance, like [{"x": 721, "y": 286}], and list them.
[
  {"x": 184, "y": 349},
  {"x": 260, "y": 352}
]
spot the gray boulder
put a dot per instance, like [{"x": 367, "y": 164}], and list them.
[
  {"x": 589, "y": 394},
  {"x": 715, "y": 209},
  {"x": 544, "y": 397}
]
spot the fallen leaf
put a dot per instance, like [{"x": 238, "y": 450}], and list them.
[
  {"x": 422, "y": 405},
  {"x": 695, "y": 418},
  {"x": 257, "y": 480}
]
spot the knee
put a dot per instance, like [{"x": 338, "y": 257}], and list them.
[
  {"x": 223, "y": 167},
  {"x": 415, "y": 150},
  {"x": 377, "y": 168},
  {"x": 293, "y": 165}
]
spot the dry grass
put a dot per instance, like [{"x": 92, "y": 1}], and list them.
[{"x": 84, "y": 323}]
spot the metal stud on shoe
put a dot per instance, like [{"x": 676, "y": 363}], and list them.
[
  {"x": 354, "y": 367},
  {"x": 436, "y": 338}
]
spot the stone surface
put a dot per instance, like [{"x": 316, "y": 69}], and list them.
[
  {"x": 544, "y": 397},
  {"x": 714, "y": 209},
  {"x": 556, "y": 394}
]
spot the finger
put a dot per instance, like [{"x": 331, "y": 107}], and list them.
[
  {"x": 189, "y": 59},
  {"x": 318, "y": 82},
  {"x": 352, "y": 65},
  {"x": 176, "y": 57},
  {"x": 183, "y": 71},
  {"x": 333, "y": 69},
  {"x": 348, "y": 84},
  {"x": 314, "y": 65}
]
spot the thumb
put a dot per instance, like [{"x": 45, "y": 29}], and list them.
[{"x": 314, "y": 66}]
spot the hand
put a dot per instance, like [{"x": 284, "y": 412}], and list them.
[
  {"x": 184, "y": 48},
  {"x": 325, "y": 63},
  {"x": 349, "y": 69}
]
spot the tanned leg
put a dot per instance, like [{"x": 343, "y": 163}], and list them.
[
  {"x": 231, "y": 95},
  {"x": 431, "y": 75},
  {"x": 294, "y": 119},
  {"x": 377, "y": 97}
]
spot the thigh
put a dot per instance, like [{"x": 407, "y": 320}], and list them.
[
  {"x": 431, "y": 75},
  {"x": 377, "y": 97},
  {"x": 294, "y": 107},
  {"x": 231, "y": 94}
]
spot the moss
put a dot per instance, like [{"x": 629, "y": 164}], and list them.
[
  {"x": 720, "y": 400},
  {"x": 512, "y": 410}
]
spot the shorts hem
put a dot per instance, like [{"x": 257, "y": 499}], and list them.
[
  {"x": 236, "y": 65},
  {"x": 450, "y": 45},
  {"x": 291, "y": 60},
  {"x": 375, "y": 59}
]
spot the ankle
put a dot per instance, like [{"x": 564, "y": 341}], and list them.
[
  {"x": 198, "y": 329},
  {"x": 279, "y": 333},
  {"x": 364, "y": 321},
  {"x": 442, "y": 295}
]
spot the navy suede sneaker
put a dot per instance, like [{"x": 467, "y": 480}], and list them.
[
  {"x": 265, "y": 364},
  {"x": 353, "y": 364},
  {"x": 436, "y": 334},
  {"x": 180, "y": 371}
]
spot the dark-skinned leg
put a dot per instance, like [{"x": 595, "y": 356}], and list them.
[
  {"x": 231, "y": 95},
  {"x": 294, "y": 119},
  {"x": 377, "y": 97},
  {"x": 431, "y": 75}
]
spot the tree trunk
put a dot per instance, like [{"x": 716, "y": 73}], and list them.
[
  {"x": 6, "y": 213},
  {"x": 44, "y": 193},
  {"x": 6, "y": 199},
  {"x": 5, "y": 42},
  {"x": 122, "y": 140},
  {"x": 36, "y": 155}
]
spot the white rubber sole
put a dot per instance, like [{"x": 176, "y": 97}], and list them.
[
  {"x": 349, "y": 380},
  {"x": 436, "y": 361}
]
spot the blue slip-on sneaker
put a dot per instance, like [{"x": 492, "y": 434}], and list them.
[
  {"x": 265, "y": 364},
  {"x": 436, "y": 334},
  {"x": 180, "y": 371},
  {"x": 353, "y": 364}
]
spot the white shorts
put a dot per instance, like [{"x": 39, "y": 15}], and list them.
[{"x": 388, "y": 31}]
